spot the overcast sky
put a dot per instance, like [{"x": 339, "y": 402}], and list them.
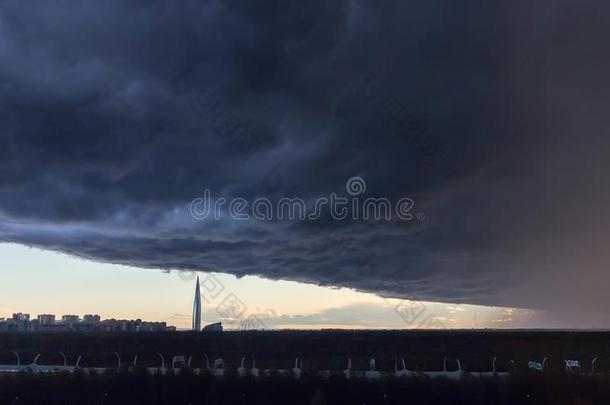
[{"x": 492, "y": 117}]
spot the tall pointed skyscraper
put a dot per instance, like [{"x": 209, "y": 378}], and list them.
[{"x": 197, "y": 308}]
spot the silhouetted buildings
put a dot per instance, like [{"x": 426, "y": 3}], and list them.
[
  {"x": 92, "y": 318},
  {"x": 20, "y": 322},
  {"x": 21, "y": 317},
  {"x": 70, "y": 320},
  {"x": 46, "y": 319}
]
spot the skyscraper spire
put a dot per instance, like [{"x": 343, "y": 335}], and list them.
[{"x": 197, "y": 308}]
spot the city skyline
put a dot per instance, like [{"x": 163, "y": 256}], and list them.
[
  {"x": 168, "y": 297},
  {"x": 22, "y": 322}
]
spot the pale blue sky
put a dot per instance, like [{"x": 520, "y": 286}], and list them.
[{"x": 36, "y": 281}]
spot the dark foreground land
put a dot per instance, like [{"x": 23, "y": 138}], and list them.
[
  {"x": 320, "y": 350},
  {"x": 140, "y": 388}
]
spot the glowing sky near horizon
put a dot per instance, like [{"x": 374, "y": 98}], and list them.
[{"x": 36, "y": 282}]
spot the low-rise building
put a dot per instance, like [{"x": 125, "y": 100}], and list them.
[{"x": 213, "y": 327}]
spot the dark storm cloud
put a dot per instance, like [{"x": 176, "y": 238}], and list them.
[{"x": 492, "y": 116}]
